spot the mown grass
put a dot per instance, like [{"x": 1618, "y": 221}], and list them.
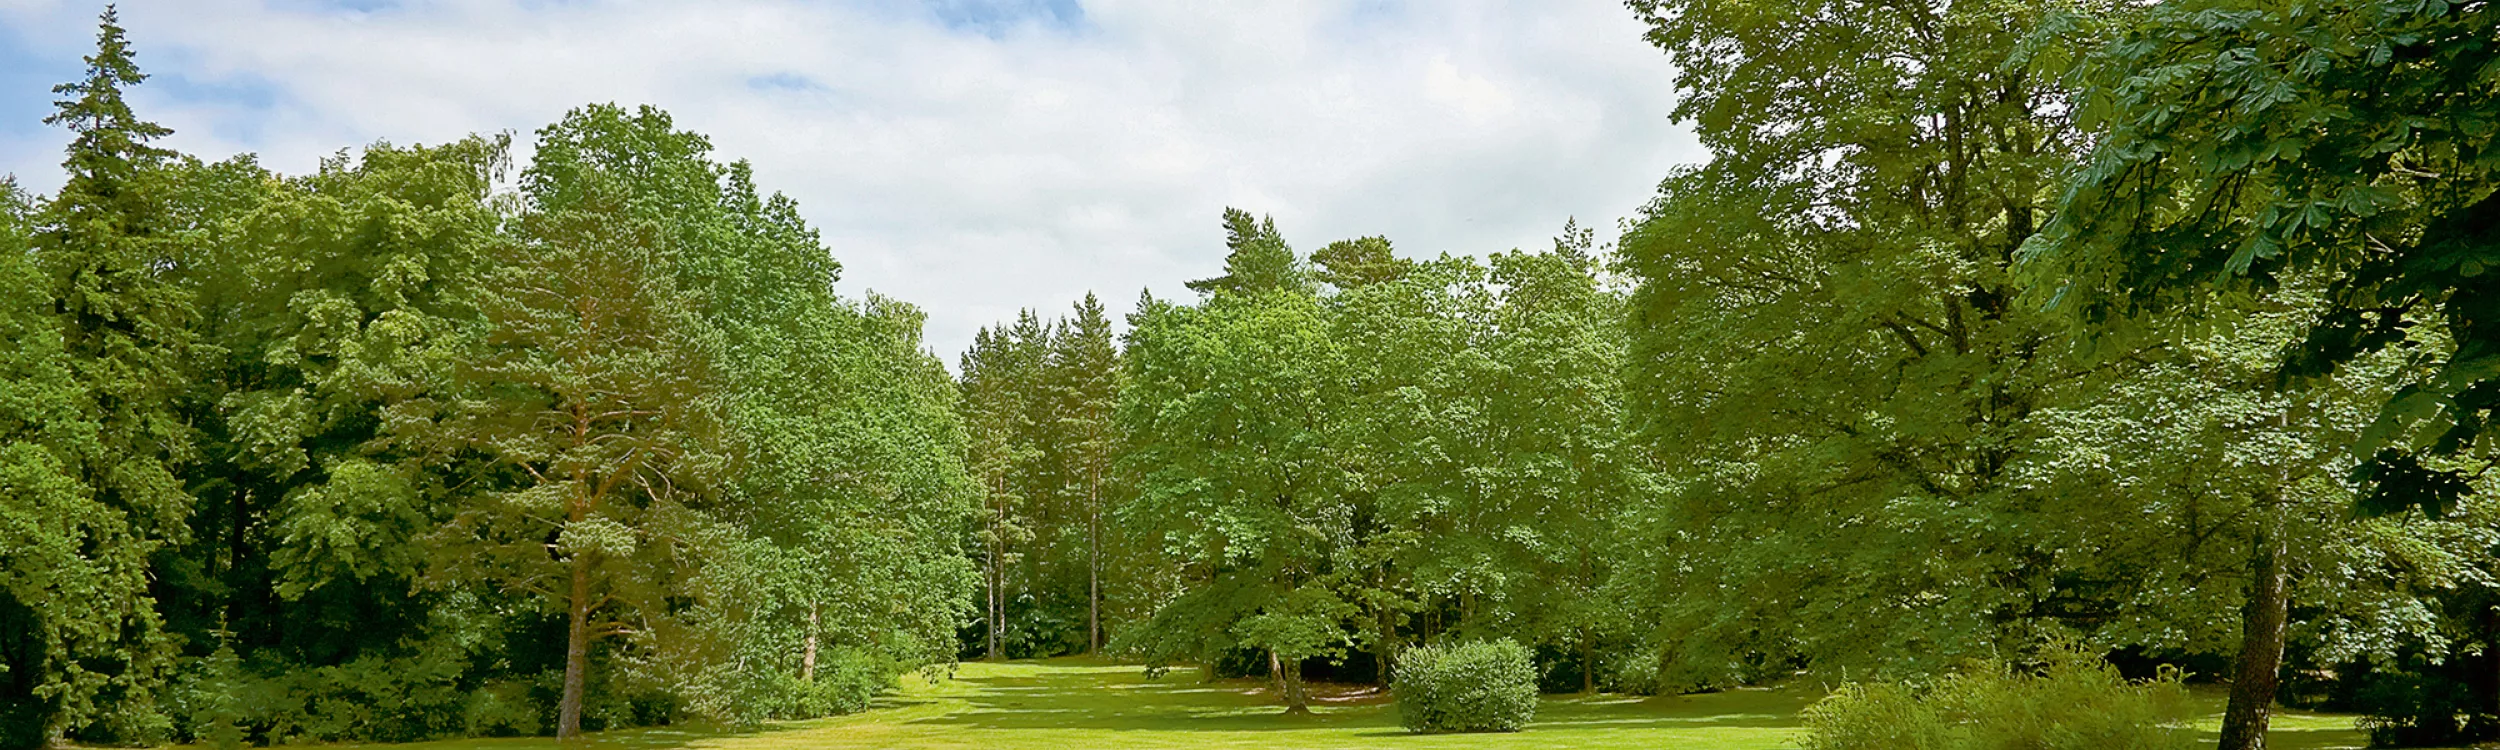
[{"x": 1072, "y": 703}]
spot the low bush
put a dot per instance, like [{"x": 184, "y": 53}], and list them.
[
  {"x": 1485, "y": 686},
  {"x": 846, "y": 679},
  {"x": 2071, "y": 701}
]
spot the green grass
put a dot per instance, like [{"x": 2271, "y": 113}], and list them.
[{"x": 1071, "y": 703}]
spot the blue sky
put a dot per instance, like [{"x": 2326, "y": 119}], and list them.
[{"x": 971, "y": 156}]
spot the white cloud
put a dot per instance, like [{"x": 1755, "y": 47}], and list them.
[{"x": 974, "y": 171}]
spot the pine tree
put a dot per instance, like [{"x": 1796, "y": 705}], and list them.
[
  {"x": 1257, "y": 260},
  {"x": 1084, "y": 378},
  {"x": 1348, "y": 264},
  {"x": 998, "y": 403}
]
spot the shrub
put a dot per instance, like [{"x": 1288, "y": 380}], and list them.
[
  {"x": 1470, "y": 687},
  {"x": 846, "y": 679},
  {"x": 2073, "y": 700}
]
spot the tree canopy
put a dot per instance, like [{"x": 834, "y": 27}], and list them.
[{"x": 2158, "y": 335}]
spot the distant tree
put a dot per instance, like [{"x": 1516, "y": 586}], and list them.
[
  {"x": 1410, "y": 435},
  {"x": 1348, "y": 264},
  {"x": 1085, "y": 380},
  {"x": 1001, "y": 405},
  {"x": 1565, "y": 468},
  {"x": 1257, "y": 258},
  {"x": 1484, "y": 428}
]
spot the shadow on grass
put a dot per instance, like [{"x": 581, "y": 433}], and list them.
[
  {"x": 1121, "y": 698},
  {"x": 642, "y": 738}
]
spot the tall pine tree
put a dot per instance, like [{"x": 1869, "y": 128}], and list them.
[{"x": 1084, "y": 380}]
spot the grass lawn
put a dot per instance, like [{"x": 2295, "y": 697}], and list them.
[{"x": 1072, "y": 703}]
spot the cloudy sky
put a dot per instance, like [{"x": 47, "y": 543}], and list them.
[{"x": 970, "y": 156}]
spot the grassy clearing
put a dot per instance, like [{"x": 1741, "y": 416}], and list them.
[{"x": 1070, "y": 703}]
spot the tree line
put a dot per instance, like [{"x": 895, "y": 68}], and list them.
[
  {"x": 389, "y": 452},
  {"x": 2162, "y": 330},
  {"x": 2158, "y": 331}
]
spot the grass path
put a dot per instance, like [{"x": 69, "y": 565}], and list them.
[{"x": 1072, "y": 703}]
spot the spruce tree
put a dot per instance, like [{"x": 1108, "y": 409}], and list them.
[{"x": 104, "y": 247}]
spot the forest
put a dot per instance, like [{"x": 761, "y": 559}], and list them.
[{"x": 1989, "y": 334}]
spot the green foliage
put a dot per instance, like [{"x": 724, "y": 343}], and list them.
[
  {"x": 369, "y": 698},
  {"x": 1826, "y": 353},
  {"x": 95, "y": 331},
  {"x": 317, "y": 427},
  {"x": 211, "y": 699},
  {"x": 2242, "y": 146},
  {"x": 844, "y": 681},
  {"x": 1258, "y": 261},
  {"x": 391, "y": 452},
  {"x": 1256, "y": 514},
  {"x": 2071, "y": 700},
  {"x": 1424, "y": 448},
  {"x": 2333, "y": 159},
  {"x": 1477, "y": 686},
  {"x": 53, "y": 596},
  {"x": 1348, "y": 264}
]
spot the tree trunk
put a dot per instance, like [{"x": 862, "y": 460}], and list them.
[
  {"x": 236, "y": 553},
  {"x": 992, "y": 617},
  {"x": 576, "y": 652},
  {"x": 1588, "y": 665},
  {"x": 996, "y": 618},
  {"x": 807, "y": 656},
  {"x": 1384, "y": 650},
  {"x": 2261, "y": 640},
  {"x": 1276, "y": 673},
  {"x": 2488, "y": 727},
  {"x": 1093, "y": 563},
  {"x": 1289, "y": 679}
]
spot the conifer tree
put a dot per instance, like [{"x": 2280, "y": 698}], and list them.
[
  {"x": 1084, "y": 363},
  {"x": 105, "y": 244},
  {"x": 592, "y": 388},
  {"x": 1347, "y": 264},
  {"x": 998, "y": 403},
  {"x": 1257, "y": 259}
]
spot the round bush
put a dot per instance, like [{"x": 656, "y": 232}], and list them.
[{"x": 1487, "y": 686}]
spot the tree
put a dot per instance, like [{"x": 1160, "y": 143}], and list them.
[
  {"x": 1002, "y": 409},
  {"x": 2244, "y": 145},
  {"x": 107, "y": 242},
  {"x": 1256, "y": 259},
  {"x": 1084, "y": 374},
  {"x": 1482, "y": 436},
  {"x": 333, "y": 310},
  {"x": 1826, "y": 351},
  {"x": 1231, "y": 408},
  {"x": 67, "y": 566},
  {"x": 1564, "y": 465},
  {"x": 2251, "y": 147},
  {"x": 1411, "y": 438},
  {"x": 592, "y": 387},
  {"x": 1349, "y": 264}
]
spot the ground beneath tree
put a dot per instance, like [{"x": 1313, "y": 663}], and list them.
[{"x": 1071, "y": 703}]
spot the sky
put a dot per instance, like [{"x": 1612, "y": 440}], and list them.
[{"x": 973, "y": 157}]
